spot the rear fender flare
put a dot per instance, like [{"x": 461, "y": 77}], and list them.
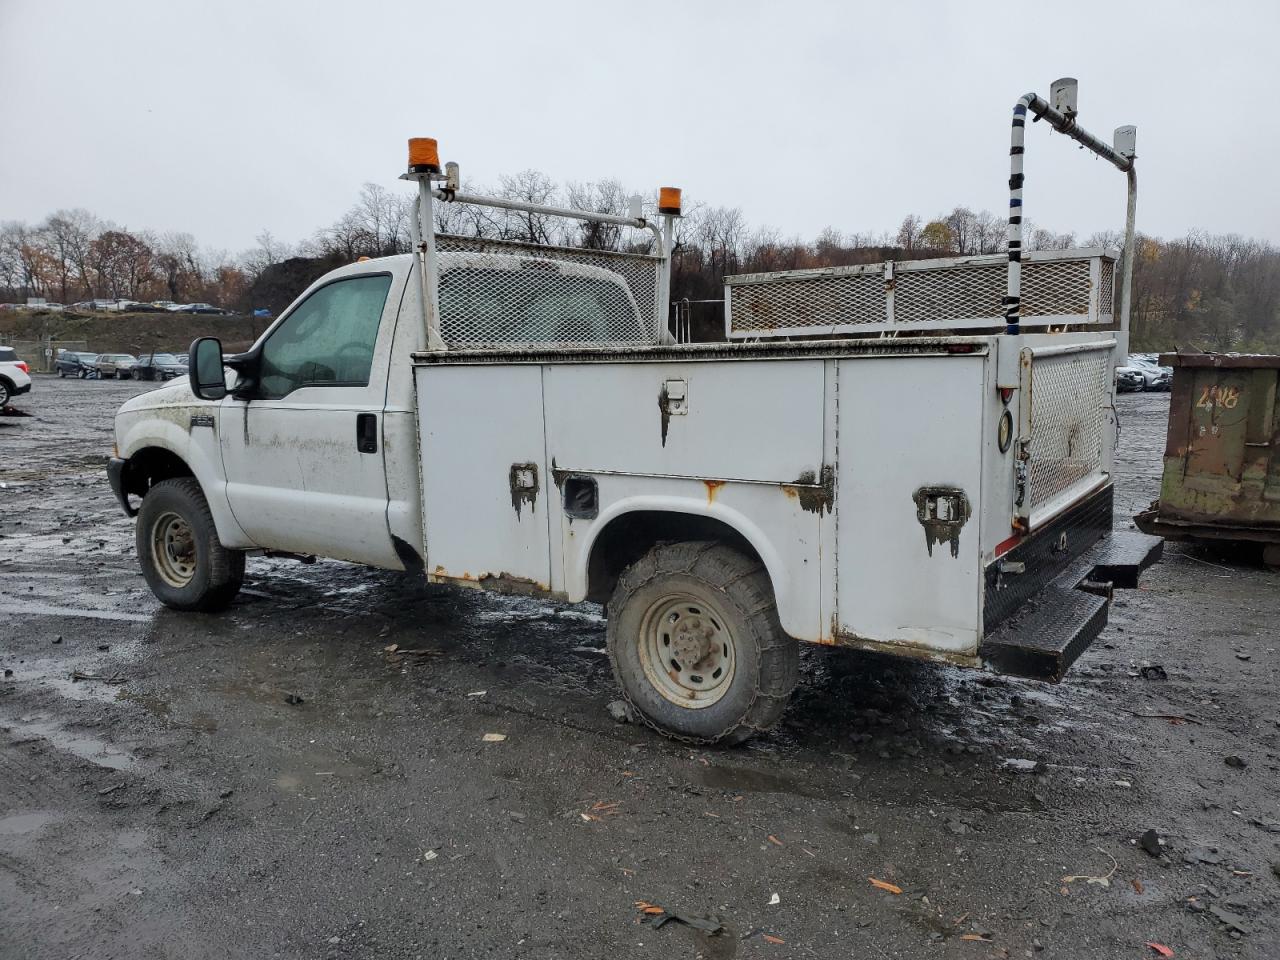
[{"x": 794, "y": 620}]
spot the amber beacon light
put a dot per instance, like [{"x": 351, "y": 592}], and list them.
[
  {"x": 424, "y": 155},
  {"x": 669, "y": 200}
]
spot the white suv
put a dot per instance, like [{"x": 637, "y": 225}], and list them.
[{"x": 14, "y": 378}]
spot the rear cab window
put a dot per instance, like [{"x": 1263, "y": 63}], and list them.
[{"x": 534, "y": 305}]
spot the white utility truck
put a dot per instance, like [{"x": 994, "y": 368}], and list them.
[{"x": 911, "y": 457}]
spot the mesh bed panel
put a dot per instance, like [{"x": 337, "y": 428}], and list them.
[{"x": 916, "y": 295}]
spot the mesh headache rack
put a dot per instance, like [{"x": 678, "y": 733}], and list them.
[
  {"x": 480, "y": 293},
  {"x": 1059, "y": 288},
  {"x": 496, "y": 293}
]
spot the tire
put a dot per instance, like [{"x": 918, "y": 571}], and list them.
[
  {"x": 685, "y": 600},
  {"x": 204, "y": 577},
  {"x": 119, "y": 375},
  {"x": 62, "y": 373},
  {"x": 6, "y": 393}
]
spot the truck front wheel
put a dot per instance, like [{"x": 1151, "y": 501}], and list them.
[
  {"x": 183, "y": 561},
  {"x": 696, "y": 645}
]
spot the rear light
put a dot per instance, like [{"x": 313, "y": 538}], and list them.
[{"x": 22, "y": 365}]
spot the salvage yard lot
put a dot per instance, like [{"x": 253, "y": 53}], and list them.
[{"x": 308, "y": 774}]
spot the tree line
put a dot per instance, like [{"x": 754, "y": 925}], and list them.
[{"x": 1219, "y": 292}]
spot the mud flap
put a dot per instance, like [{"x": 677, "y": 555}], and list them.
[
  {"x": 115, "y": 476},
  {"x": 1050, "y": 631}
]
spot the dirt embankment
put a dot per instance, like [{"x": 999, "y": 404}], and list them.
[{"x": 134, "y": 333}]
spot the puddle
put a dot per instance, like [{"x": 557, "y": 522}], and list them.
[
  {"x": 204, "y": 723},
  {"x": 326, "y": 769},
  {"x": 98, "y": 752},
  {"x": 745, "y": 780},
  {"x": 23, "y": 823},
  {"x": 153, "y": 705},
  {"x": 47, "y": 610}
]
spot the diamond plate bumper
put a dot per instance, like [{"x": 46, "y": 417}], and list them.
[{"x": 1050, "y": 630}]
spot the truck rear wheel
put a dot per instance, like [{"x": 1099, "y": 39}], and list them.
[
  {"x": 696, "y": 645},
  {"x": 183, "y": 561}
]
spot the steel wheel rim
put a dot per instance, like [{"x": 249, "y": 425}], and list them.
[
  {"x": 173, "y": 549},
  {"x": 687, "y": 651}
]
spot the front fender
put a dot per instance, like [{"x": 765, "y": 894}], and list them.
[
  {"x": 795, "y": 614},
  {"x": 170, "y": 428}
]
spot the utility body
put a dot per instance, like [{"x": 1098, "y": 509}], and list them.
[{"x": 914, "y": 458}]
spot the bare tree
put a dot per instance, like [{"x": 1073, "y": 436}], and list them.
[
  {"x": 603, "y": 196},
  {"x": 267, "y": 253},
  {"x": 990, "y": 233},
  {"x": 69, "y": 234},
  {"x": 177, "y": 260},
  {"x": 964, "y": 230},
  {"x": 529, "y": 186},
  {"x": 908, "y": 237}
]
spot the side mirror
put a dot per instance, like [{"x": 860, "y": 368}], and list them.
[{"x": 208, "y": 379}]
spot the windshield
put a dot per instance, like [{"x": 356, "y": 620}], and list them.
[{"x": 163, "y": 358}]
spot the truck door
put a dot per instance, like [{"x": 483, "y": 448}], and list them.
[{"x": 304, "y": 455}]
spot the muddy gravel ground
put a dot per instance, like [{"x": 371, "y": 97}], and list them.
[{"x": 271, "y": 782}]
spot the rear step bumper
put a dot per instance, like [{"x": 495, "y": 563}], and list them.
[{"x": 1052, "y": 628}]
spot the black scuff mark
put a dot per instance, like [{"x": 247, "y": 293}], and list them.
[
  {"x": 558, "y": 476},
  {"x": 815, "y": 491},
  {"x": 664, "y": 412},
  {"x": 410, "y": 557}
]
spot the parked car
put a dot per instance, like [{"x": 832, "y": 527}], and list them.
[
  {"x": 15, "y": 378},
  {"x": 1155, "y": 377},
  {"x": 158, "y": 366},
  {"x": 69, "y": 363},
  {"x": 118, "y": 365},
  {"x": 196, "y": 308},
  {"x": 1130, "y": 379}
]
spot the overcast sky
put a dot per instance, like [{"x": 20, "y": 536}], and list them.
[{"x": 227, "y": 118}]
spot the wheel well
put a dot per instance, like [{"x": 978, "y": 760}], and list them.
[
  {"x": 629, "y": 537},
  {"x": 149, "y": 466}
]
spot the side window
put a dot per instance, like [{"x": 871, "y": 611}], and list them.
[{"x": 328, "y": 340}]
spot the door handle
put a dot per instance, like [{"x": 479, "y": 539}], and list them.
[{"x": 367, "y": 432}]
